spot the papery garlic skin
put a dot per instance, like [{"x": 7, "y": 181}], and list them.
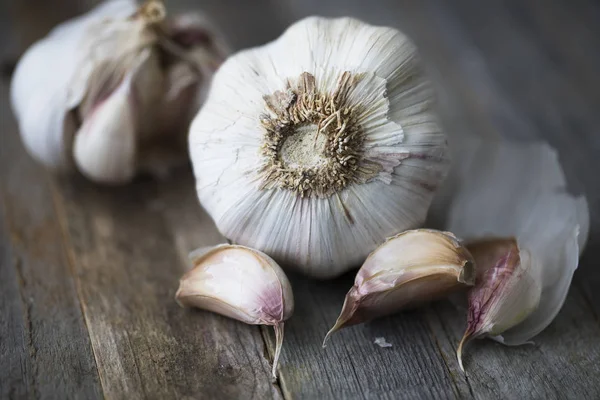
[
  {"x": 518, "y": 190},
  {"x": 239, "y": 283},
  {"x": 316, "y": 147},
  {"x": 409, "y": 269},
  {"x": 63, "y": 80}
]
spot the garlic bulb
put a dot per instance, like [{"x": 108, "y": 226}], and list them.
[
  {"x": 411, "y": 268},
  {"x": 316, "y": 147},
  {"x": 112, "y": 92},
  {"x": 239, "y": 283},
  {"x": 509, "y": 190}
]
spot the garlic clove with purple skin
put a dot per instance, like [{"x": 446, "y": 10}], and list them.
[
  {"x": 516, "y": 190},
  {"x": 240, "y": 283},
  {"x": 410, "y": 268},
  {"x": 508, "y": 288}
]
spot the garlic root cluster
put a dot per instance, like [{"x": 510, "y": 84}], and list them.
[{"x": 112, "y": 92}]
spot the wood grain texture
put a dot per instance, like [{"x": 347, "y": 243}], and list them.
[
  {"x": 564, "y": 356},
  {"x": 44, "y": 346},
  {"x": 127, "y": 268},
  {"x": 352, "y": 366}
]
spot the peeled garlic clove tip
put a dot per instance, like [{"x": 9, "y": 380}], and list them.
[
  {"x": 334, "y": 329},
  {"x": 463, "y": 343},
  {"x": 350, "y": 306},
  {"x": 177, "y": 297},
  {"x": 278, "y": 345}
]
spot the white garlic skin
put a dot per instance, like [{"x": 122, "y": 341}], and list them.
[
  {"x": 508, "y": 189},
  {"x": 71, "y": 83},
  {"x": 320, "y": 236}
]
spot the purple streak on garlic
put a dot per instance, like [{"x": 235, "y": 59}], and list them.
[
  {"x": 409, "y": 269},
  {"x": 506, "y": 291},
  {"x": 70, "y": 86},
  {"x": 239, "y": 283}
]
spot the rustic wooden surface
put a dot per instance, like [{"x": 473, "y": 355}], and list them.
[{"x": 88, "y": 274}]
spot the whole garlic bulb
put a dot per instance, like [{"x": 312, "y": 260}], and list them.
[
  {"x": 316, "y": 147},
  {"x": 112, "y": 92}
]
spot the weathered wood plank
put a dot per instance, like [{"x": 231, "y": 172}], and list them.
[
  {"x": 44, "y": 346},
  {"x": 352, "y": 366},
  {"x": 127, "y": 267},
  {"x": 562, "y": 362}
]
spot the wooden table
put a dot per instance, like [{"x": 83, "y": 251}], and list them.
[{"x": 88, "y": 274}]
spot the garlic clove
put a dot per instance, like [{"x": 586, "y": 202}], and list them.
[
  {"x": 327, "y": 143},
  {"x": 105, "y": 145},
  {"x": 519, "y": 190},
  {"x": 410, "y": 268},
  {"x": 507, "y": 289},
  {"x": 239, "y": 283},
  {"x": 39, "y": 95}
]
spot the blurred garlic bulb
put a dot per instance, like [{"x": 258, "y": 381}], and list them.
[
  {"x": 239, "y": 283},
  {"x": 509, "y": 190},
  {"x": 411, "y": 268},
  {"x": 316, "y": 147},
  {"x": 112, "y": 92}
]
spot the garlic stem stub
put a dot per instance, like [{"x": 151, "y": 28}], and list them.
[
  {"x": 525, "y": 231},
  {"x": 316, "y": 147},
  {"x": 239, "y": 283},
  {"x": 104, "y": 90},
  {"x": 409, "y": 269}
]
